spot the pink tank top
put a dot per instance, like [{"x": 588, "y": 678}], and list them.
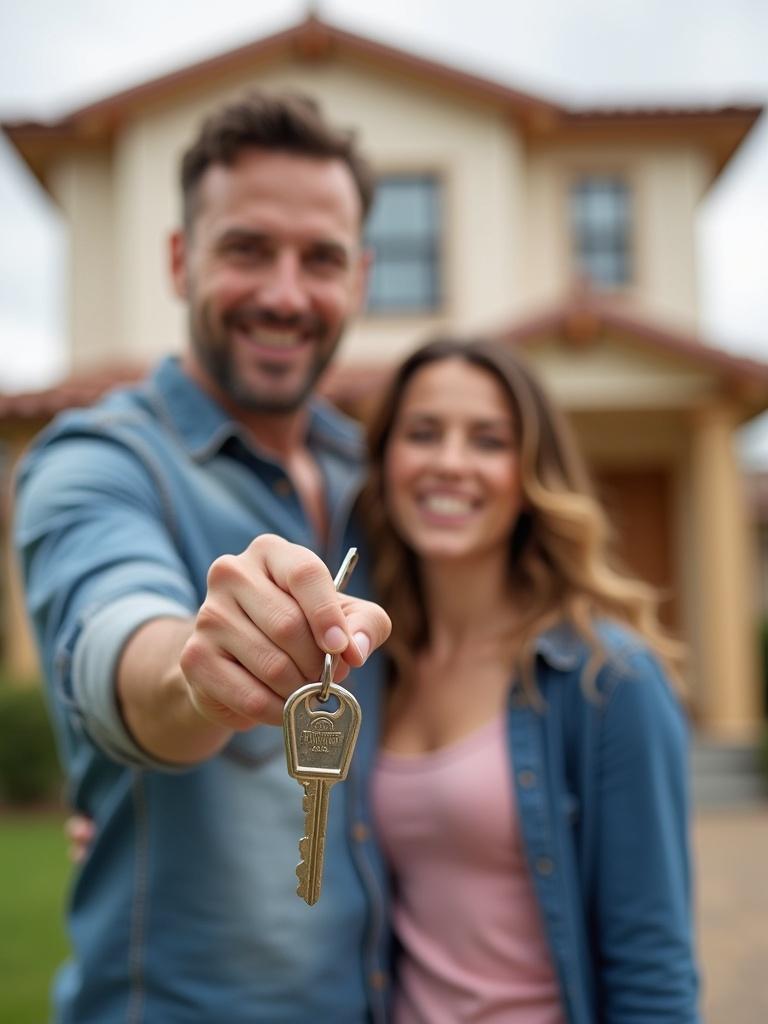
[{"x": 473, "y": 945}]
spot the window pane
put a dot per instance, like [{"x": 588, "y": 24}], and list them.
[
  {"x": 402, "y": 285},
  {"x": 404, "y": 232},
  {"x": 404, "y": 207},
  {"x": 601, "y": 227}
]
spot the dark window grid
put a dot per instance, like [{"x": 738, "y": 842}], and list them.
[
  {"x": 387, "y": 292},
  {"x": 406, "y": 271},
  {"x": 599, "y": 187},
  {"x": 601, "y": 222},
  {"x": 590, "y": 242},
  {"x": 604, "y": 268}
]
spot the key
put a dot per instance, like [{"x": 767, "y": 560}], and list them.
[{"x": 319, "y": 744}]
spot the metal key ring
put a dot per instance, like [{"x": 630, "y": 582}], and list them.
[
  {"x": 329, "y": 665},
  {"x": 326, "y": 678}
]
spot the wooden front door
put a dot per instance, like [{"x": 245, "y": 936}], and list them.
[{"x": 639, "y": 505}]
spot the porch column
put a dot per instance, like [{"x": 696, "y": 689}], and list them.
[
  {"x": 19, "y": 656},
  {"x": 725, "y": 628}
]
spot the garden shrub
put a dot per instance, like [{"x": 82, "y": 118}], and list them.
[{"x": 29, "y": 767}]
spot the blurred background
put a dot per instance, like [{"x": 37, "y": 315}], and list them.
[{"x": 588, "y": 181}]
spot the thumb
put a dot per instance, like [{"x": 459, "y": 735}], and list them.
[{"x": 368, "y": 625}]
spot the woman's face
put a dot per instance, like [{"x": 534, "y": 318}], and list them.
[{"x": 451, "y": 472}]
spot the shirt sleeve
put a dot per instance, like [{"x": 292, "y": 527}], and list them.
[
  {"x": 645, "y": 962},
  {"x": 99, "y": 558}
]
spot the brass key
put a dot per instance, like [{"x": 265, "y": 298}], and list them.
[{"x": 319, "y": 743}]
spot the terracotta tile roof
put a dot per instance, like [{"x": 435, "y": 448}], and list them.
[
  {"x": 78, "y": 390},
  {"x": 659, "y": 112},
  {"x": 314, "y": 40},
  {"x": 586, "y": 316},
  {"x": 579, "y": 320},
  {"x": 345, "y": 385}
]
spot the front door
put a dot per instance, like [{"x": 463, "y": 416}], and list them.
[{"x": 639, "y": 505}]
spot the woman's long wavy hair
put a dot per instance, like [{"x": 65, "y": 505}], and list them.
[{"x": 560, "y": 567}]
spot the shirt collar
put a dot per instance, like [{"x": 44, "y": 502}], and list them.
[
  {"x": 203, "y": 426},
  {"x": 560, "y": 646}
]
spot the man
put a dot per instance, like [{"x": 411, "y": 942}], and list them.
[{"x": 164, "y": 625}]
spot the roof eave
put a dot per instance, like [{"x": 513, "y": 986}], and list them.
[
  {"x": 721, "y": 129},
  {"x": 582, "y": 321}
]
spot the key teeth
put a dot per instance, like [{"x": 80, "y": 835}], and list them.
[
  {"x": 301, "y": 874},
  {"x": 302, "y": 888}
]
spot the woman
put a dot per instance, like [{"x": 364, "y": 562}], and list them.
[{"x": 530, "y": 793}]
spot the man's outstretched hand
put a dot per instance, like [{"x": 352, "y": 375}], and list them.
[{"x": 269, "y": 616}]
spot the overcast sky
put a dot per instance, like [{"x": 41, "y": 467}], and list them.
[{"x": 56, "y": 56}]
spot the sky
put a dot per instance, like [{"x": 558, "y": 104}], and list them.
[{"x": 55, "y": 57}]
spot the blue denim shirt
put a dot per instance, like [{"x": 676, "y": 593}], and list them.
[{"x": 185, "y": 909}]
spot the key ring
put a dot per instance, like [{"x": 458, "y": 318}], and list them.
[
  {"x": 329, "y": 665},
  {"x": 326, "y": 678}
]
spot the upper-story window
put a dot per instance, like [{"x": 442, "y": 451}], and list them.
[
  {"x": 404, "y": 231},
  {"x": 601, "y": 227}
]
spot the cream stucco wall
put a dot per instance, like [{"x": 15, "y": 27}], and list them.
[
  {"x": 667, "y": 182},
  {"x": 472, "y": 148},
  {"x": 506, "y": 246},
  {"x": 611, "y": 374},
  {"x": 82, "y": 183}
]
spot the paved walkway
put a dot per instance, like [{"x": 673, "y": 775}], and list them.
[{"x": 731, "y": 849}]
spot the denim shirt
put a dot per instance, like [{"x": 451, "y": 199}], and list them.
[
  {"x": 185, "y": 908},
  {"x": 600, "y": 777}
]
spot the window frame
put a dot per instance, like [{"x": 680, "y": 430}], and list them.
[
  {"x": 438, "y": 309},
  {"x": 577, "y": 172}
]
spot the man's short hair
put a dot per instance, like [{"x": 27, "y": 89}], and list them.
[{"x": 283, "y": 122}]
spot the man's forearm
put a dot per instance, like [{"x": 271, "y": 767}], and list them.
[{"x": 154, "y": 697}]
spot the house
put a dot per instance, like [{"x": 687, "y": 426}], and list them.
[{"x": 568, "y": 231}]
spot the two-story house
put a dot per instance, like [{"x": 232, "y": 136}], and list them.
[{"x": 567, "y": 231}]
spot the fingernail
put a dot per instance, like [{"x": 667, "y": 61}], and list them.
[
  {"x": 363, "y": 644},
  {"x": 335, "y": 639}
]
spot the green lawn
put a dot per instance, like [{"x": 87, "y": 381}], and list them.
[{"x": 33, "y": 879}]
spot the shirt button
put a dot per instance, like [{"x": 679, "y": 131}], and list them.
[
  {"x": 378, "y": 980},
  {"x": 526, "y": 778},
  {"x": 544, "y": 866},
  {"x": 282, "y": 487},
  {"x": 360, "y": 832}
]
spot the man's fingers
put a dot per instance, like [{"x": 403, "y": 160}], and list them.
[
  {"x": 224, "y": 692},
  {"x": 369, "y": 627},
  {"x": 300, "y": 573},
  {"x": 265, "y": 632}
]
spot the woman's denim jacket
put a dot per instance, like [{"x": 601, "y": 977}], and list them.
[{"x": 601, "y": 781}]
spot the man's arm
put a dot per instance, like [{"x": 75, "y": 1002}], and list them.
[
  {"x": 132, "y": 661},
  {"x": 154, "y": 697}
]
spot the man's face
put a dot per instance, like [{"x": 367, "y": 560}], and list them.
[{"x": 272, "y": 270}]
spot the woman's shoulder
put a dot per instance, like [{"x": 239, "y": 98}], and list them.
[
  {"x": 616, "y": 682},
  {"x": 566, "y": 647},
  {"x": 614, "y": 656}
]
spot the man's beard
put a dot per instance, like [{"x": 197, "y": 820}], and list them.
[{"x": 214, "y": 351}]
